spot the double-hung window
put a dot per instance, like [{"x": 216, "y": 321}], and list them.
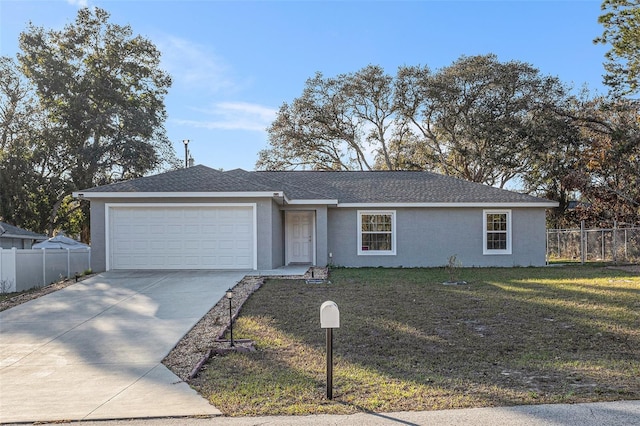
[
  {"x": 497, "y": 232},
  {"x": 376, "y": 232}
]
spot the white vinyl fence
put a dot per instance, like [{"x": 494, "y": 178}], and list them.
[
  {"x": 24, "y": 269},
  {"x": 600, "y": 245}
]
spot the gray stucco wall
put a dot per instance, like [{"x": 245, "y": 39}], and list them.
[
  {"x": 264, "y": 235},
  {"x": 98, "y": 238},
  {"x": 277, "y": 236},
  {"x": 266, "y": 218},
  {"x": 322, "y": 244},
  {"x": 424, "y": 237},
  {"x": 428, "y": 237}
]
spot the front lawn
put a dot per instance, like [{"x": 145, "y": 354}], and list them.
[{"x": 407, "y": 342}]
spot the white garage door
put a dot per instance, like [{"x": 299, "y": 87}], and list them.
[{"x": 181, "y": 237}]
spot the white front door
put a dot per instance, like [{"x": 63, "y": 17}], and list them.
[{"x": 299, "y": 237}]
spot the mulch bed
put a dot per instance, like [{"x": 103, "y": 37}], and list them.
[
  {"x": 38, "y": 292},
  {"x": 205, "y": 338}
]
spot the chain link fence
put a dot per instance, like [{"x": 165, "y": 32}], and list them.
[{"x": 594, "y": 245}]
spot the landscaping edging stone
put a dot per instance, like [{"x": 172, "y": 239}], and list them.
[{"x": 205, "y": 339}]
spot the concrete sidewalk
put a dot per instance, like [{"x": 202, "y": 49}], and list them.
[
  {"x": 623, "y": 413},
  {"x": 93, "y": 350}
]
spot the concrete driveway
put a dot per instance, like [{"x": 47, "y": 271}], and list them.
[{"x": 93, "y": 350}]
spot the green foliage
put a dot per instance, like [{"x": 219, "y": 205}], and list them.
[
  {"x": 333, "y": 123},
  {"x": 105, "y": 86},
  {"x": 476, "y": 119},
  {"x": 473, "y": 119},
  {"x": 29, "y": 174},
  {"x": 621, "y": 22},
  {"x": 88, "y": 110},
  {"x": 607, "y": 172}
]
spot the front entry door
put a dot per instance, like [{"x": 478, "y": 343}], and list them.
[{"x": 299, "y": 237}]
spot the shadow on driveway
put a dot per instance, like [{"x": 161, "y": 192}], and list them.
[{"x": 93, "y": 350}]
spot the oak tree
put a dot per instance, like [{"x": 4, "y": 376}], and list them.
[
  {"x": 30, "y": 180},
  {"x": 621, "y": 22},
  {"x": 338, "y": 123},
  {"x": 608, "y": 173},
  {"x": 476, "y": 119},
  {"x": 103, "y": 92}
]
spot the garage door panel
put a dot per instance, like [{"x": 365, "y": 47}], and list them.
[
  {"x": 209, "y": 245},
  {"x": 175, "y": 230},
  {"x": 157, "y": 261},
  {"x": 140, "y": 245},
  {"x": 181, "y": 237},
  {"x": 242, "y": 245},
  {"x": 192, "y": 229},
  {"x": 227, "y": 260},
  {"x": 155, "y": 229},
  {"x": 208, "y": 228},
  {"x": 171, "y": 245}
]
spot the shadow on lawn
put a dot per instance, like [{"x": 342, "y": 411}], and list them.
[
  {"x": 380, "y": 415},
  {"x": 517, "y": 336}
]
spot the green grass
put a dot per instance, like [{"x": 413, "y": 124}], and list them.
[{"x": 406, "y": 342}]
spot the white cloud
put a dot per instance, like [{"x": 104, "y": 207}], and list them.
[
  {"x": 193, "y": 66},
  {"x": 79, "y": 3},
  {"x": 234, "y": 116}
]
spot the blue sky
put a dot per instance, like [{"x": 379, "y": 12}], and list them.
[{"x": 234, "y": 63}]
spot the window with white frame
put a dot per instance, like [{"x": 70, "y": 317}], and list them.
[
  {"x": 497, "y": 232},
  {"x": 376, "y": 232}
]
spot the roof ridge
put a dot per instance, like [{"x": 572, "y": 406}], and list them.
[
  {"x": 294, "y": 185},
  {"x": 228, "y": 173}
]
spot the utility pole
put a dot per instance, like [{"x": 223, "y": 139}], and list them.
[{"x": 186, "y": 152}]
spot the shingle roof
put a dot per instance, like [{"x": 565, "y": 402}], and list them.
[
  {"x": 346, "y": 187},
  {"x": 398, "y": 187},
  {"x": 193, "y": 179},
  {"x": 14, "y": 232}
]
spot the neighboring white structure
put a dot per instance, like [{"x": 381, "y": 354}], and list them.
[
  {"x": 24, "y": 265},
  {"x": 22, "y": 269},
  {"x": 61, "y": 241},
  {"x": 12, "y": 236}
]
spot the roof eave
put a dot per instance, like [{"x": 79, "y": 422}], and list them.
[
  {"x": 315, "y": 202},
  {"x": 534, "y": 204},
  {"x": 252, "y": 194},
  {"x": 23, "y": 237},
  {"x": 280, "y": 197}
]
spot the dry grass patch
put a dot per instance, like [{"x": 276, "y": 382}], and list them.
[{"x": 406, "y": 342}]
